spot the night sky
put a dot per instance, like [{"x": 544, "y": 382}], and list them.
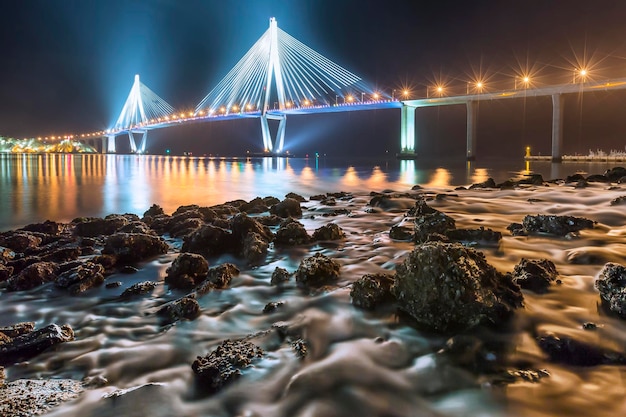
[{"x": 66, "y": 66}]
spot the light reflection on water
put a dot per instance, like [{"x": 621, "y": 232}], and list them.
[{"x": 34, "y": 188}]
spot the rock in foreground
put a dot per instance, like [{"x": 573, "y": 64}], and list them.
[
  {"x": 28, "y": 345},
  {"x": 448, "y": 287},
  {"x": 535, "y": 275},
  {"x": 29, "y": 397},
  {"x": 372, "y": 290},
  {"x": 611, "y": 283},
  {"x": 317, "y": 270}
]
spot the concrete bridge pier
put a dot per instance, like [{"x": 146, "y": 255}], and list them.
[
  {"x": 472, "y": 119},
  {"x": 557, "y": 127},
  {"x": 110, "y": 144},
  {"x": 268, "y": 144},
  {"x": 133, "y": 142},
  {"x": 407, "y": 130}
]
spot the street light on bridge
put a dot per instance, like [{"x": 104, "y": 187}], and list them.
[
  {"x": 581, "y": 73},
  {"x": 524, "y": 81}
]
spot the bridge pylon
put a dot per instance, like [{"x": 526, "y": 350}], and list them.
[{"x": 277, "y": 145}]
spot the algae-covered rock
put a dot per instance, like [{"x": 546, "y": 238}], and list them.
[
  {"x": 134, "y": 247},
  {"x": 187, "y": 271},
  {"x": 555, "y": 225},
  {"x": 448, "y": 287},
  {"x": 535, "y": 275},
  {"x": 611, "y": 283},
  {"x": 372, "y": 290},
  {"x": 317, "y": 270},
  {"x": 330, "y": 231},
  {"x": 287, "y": 208},
  {"x": 292, "y": 232}
]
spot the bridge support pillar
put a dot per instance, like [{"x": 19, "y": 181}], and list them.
[
  {"x": 131, "y": 140},
  {"x": 407, "y": 130},
  {"x": 110, "y": 148},
  {"x": 557, "y": 127},
  {"x": 277, "y": 145},
  {"x": 472, "y": 119}
]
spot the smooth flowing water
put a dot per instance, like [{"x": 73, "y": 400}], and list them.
[{"x": 359, "y": 363}]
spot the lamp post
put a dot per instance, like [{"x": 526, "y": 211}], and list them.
[{"x": 362, "y": 94}]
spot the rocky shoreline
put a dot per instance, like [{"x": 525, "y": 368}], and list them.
[{"x": 443, "y": 286}]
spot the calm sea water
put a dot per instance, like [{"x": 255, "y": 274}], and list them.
[{"x": 60, "y": 187}]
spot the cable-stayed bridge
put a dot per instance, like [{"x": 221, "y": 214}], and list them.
[{"x": 281, "y": 76}]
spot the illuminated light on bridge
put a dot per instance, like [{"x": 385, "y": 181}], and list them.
[{"x": 297, "y": 71}]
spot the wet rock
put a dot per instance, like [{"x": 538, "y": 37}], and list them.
[
  {"x": 224, "y": 365},
  {"x": 572, "y": 352},
  {"x": 81, "y": 278},
  {"x": 589, "y": 326},
  {"x": 33, "y": 276},
  {"x": 448, "y": 287},
  {"x": 621, "y": 200},
  {"x": 329, "y": 201},
  {"x": 139, "y": 288},
  {"x": 187, "y": 271},
  {"x": 287, "y": 208},
  {"x": 531, "y": 179},
  {"x": 555, "y": 225},
  {"x": 159, "y": 223},
  {"x": 372, "y": 290},
  {"x": 209, "y": 240},
  {"x": 95, "y": 226},
  {"x": 256, "y": 205},
  {"x": 271, "y": 307},
  {"x": 270, "y": 201},
  {"x": 28, "y": 345},
  {"x": 136, "y": 227},
  {"x": 271, "y": 220},
  {"x": 183, "y": 308},
  {"x": 402, "y": 231},
  {"x": 507, "y": 185},
  {"x": 427, "y": 224},
  {"x": 6, "y": 255},
  {"x": 300, "y": 347},
  {"x": 317, "y": 270},
  {"x": 134, "y": 247},
  {"x": 221, "y": 275},
  {"x": 615, "y": 174},
  {"x": 292, "y": 232},
  {"x": 242, "y": 224},
  {"x": 474, "y": 235},
  {"x": 611, "y": 283},
  {"x": 224, "y": 210},
  {"x": 30, "y": 397},
  {"x": 517, "y": 229},
  {"x": 511, "y": 376},
  {"x": 535, "y": 275},
  {"x": 48, "y": 227},
  {"x": 597, "y": 178},
  {"x": 153, "y": 211},
  {"x": 113, "y": 284},
  {"x": 128, "y": 269},
  {"x": 185, "y": 227},
  {"x": 18, "y": 329},
  {"x": 330, "y": 231},
  {"x": 107, "y": 261},
  {"x": 254, "y": 248},
  {"x": 296, "y": 197},
  {"x": 280, "y": 276},
  {"x": 489, "y": 183},
  {"x": 19, "y": 241},
  {"x": 317, "y": 197},
  {"x": 5, "y": 272},
  {"x": 581, "y": 184},
  {"x": 574, "y": 178},
  {"x": 64, "y": 254}
]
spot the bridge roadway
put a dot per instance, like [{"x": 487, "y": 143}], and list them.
[{"x": 408, "y": 108}]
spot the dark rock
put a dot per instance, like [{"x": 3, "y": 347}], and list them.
[
  {"x": 224, "y": 210},
  {"x": 33, "y": 276},
  {"x": 254, "y": 248},
  {"x": 402, "y": 231},
  {"x": 128, "y": 269},
  {"x": 6, "y": 255},
  {"x": 330, "y": 231},
  {"x": 474, "y": 235},
  {"x": 372, "y": 290},
  {"x": 426, "y": 224},
  {"x": 589, "y": 325},
  {"x": 79, "y": 279},
  {"x": 329, "y": 201},
  {"x": 300, "y": 347},
  {"x": 296, "y": 197},
  {"x": 581, "y": 184},
  {"x": 134, "y": 247},
  {"x": 531, "y": 179},
  {"x": 184, "y": 227},
  {"x": 292, "y": 232},
  {"x": 153, "y": 211},
  {"x": 448, "y": 287},
  {"x": 619, "y": 200},
  {"x": 68, "y": 253},
  {"x": 19, "y": 241},
  {"x": 136, "y": 227},
  {"x": 317, "y": 197},
  {"x": 615, "y": 174},
  {"x": 256, "y": 205},
  {"x": 187, "y": 271},
  {"x": 5, "y": 272},
  {"x": 271, "y": 220},
  {"x": 517, "y": 229},
  {"x": 95, "y": 226},
  {"x": 535, "y": 275},
  {"x": 341, "y": 195},
  {"x": 209, "y": 240},
  {"x": 139, "y": 289},
  {"x": 224, "y": 365},
  {"x": 271, "y": 307},
  {"x": 572, "y": 352},
  {"x": 270, "y": 201},
  {"x": 48, "y": 227},
  {"x": 107, "y": 261},
  {"x": 242, "y": 224},
  {"x": 28, "y": 345},
  {"x": 574, "y": 178},
  {"x": 221, "y": 275},
  {"x": 336, "y": 212},
  {"x": 183, "y": 308},
  {"x": 18, "y": 329},
  {"x": 114, "y": 284},
  {"x": 33, "y": 397},
  {"x": 280, "y": 276},
  {"x": 597, "y": 178},
  {"x": 287, "y": 208},
  {"x": 317, "y": 270},
  {"x": 611, "y": 283},
  {"x": 417, "y": 187},
  {"x": 159, "y": 223},
  {"x": 507, "y": 185},
  {"x": 489, "y": 183},
  {"x": 555, "y": 225}
]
